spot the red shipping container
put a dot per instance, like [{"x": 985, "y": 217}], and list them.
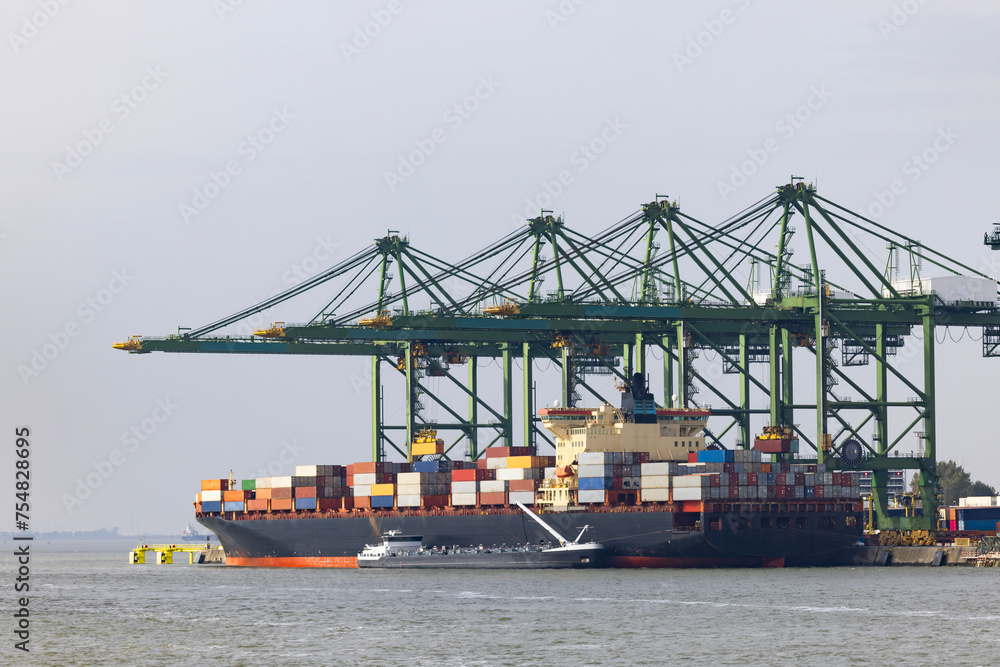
[
  {"x": 281, "y": 493},
  {"x": 492, "y": 498},
  {"x": 464, "y": 475},
  {"x": 837, "y": 478},
  {"x": 800, "y": 479},
  {"x": 713, "y": 479},
  {"x": 616, "y": 482},
  {"x": 329, "y": 504},
  {"x": 953, "y": 525},
  {"x": 305, "y": 492},
  {"x": 643, "y": 457},
  {"x": 818, "y": 493},
  {"x": 616, "y": 470},
  {"x": 522, "y": 485},
  {"x": 729, "y": 467},
  {"x": 781, "y": 492},
  {"x": 481, "y": 464},
  {"x": 751, "y": 479},
  {"x": 350, "y": 480},
  {"x": 281, "y": 504},
  {"x": 496, "y": 452},
  {"x": 349, "y": 470},
  {"x": 692, "y": 457},
  {"x": 734, "y": 492},
  {"x": 811, "y": 467},
  {"x": 427, "y": 502},
  {"x": 257, "y": 505}
]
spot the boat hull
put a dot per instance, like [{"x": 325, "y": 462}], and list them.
[{"x": 630, "y": 538}]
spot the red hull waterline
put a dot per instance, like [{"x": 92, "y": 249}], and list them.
[
  {"x": 615, "y": 561},
  {"x": 294, "y": 561}
]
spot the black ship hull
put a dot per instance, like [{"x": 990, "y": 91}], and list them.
[{"x": 631, "y": 537}]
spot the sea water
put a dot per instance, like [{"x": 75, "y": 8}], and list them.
[{"x": 88, "y": 606}]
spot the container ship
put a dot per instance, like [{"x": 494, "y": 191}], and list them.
[{"x": 639, "y": 475}]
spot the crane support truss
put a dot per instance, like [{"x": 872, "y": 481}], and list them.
[{"x": 659, "y": 283}]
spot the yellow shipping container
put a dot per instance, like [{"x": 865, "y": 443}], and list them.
[
  {"x": 428, "y": 448},
  {"x": 383, "y": 489},
  {"x": 522, "y": 461}
]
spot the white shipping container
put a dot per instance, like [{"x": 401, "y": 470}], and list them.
[
  {"x": 594, "y": 458},
  {"x": 691, "y": 493},
  {"x": 408, "y": 477},
  {"x": 512, "y": 473},
  {"x": 590, "y": 496},
  {"x": 655, "y": 481},
  {"x": 211, "y": 496},
  {"x": 307, "y": 471},
  {"x": 687, "y": 481},
  {"x": 464, "y": 487},
  {"x": 654, "y": 469},
  {"x": 655, "y": 495},
  {"x": 949, "y": 289},
  {"x": 408, "y": 500},
  {"x": 281, "y": 482},
  {"x": 416, "y": 489},
  {"x": 361, "y": 490},
  {"x": 526, "y": 497},
  {"x": 496, "y": 463},
  {"x": 492, "y": 486},
  {"x": 463, "y": 499},
  {"x": 364, "y": 478},
  {"x": 262, "y": 483}
]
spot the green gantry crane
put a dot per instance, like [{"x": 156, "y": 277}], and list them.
[{"x": 659, "y": 282}]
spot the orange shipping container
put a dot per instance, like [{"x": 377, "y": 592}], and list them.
[
  {"x": 257, "y": 505},
  {"x": 363, "y": 502},
  {"x": 691, "y": 506},
  {"x": 281, "y": 503},
  {"x": 368, "y": 467},
  {"x": 215, "y": 485},
  {"x": 305, "y": 492},
  {"x": 262, "y": 494},
  {"x": 283, "y": 493},
  {"x": 236, "y": 496},
  {"x": 383, "y": 489}
]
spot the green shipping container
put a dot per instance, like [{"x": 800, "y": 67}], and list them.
[{"x": 250, "y": 485}]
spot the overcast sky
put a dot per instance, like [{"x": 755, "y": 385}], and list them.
[{"x": 166, "y": 164}]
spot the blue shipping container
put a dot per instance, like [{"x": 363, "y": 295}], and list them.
[
  {"x": 233, "y": 506},
  {"x": 810, "y": 492},
  {"x": 712, "y": 456},
  {"x": 383, "y": 501},
  {"x": 305, "y": 503},
  {"x": 595, "y": 483},
  {"x": 980, "y": 524},
  {"x": 428, "y": 466},
  {"x": 211, "y": 506}
]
